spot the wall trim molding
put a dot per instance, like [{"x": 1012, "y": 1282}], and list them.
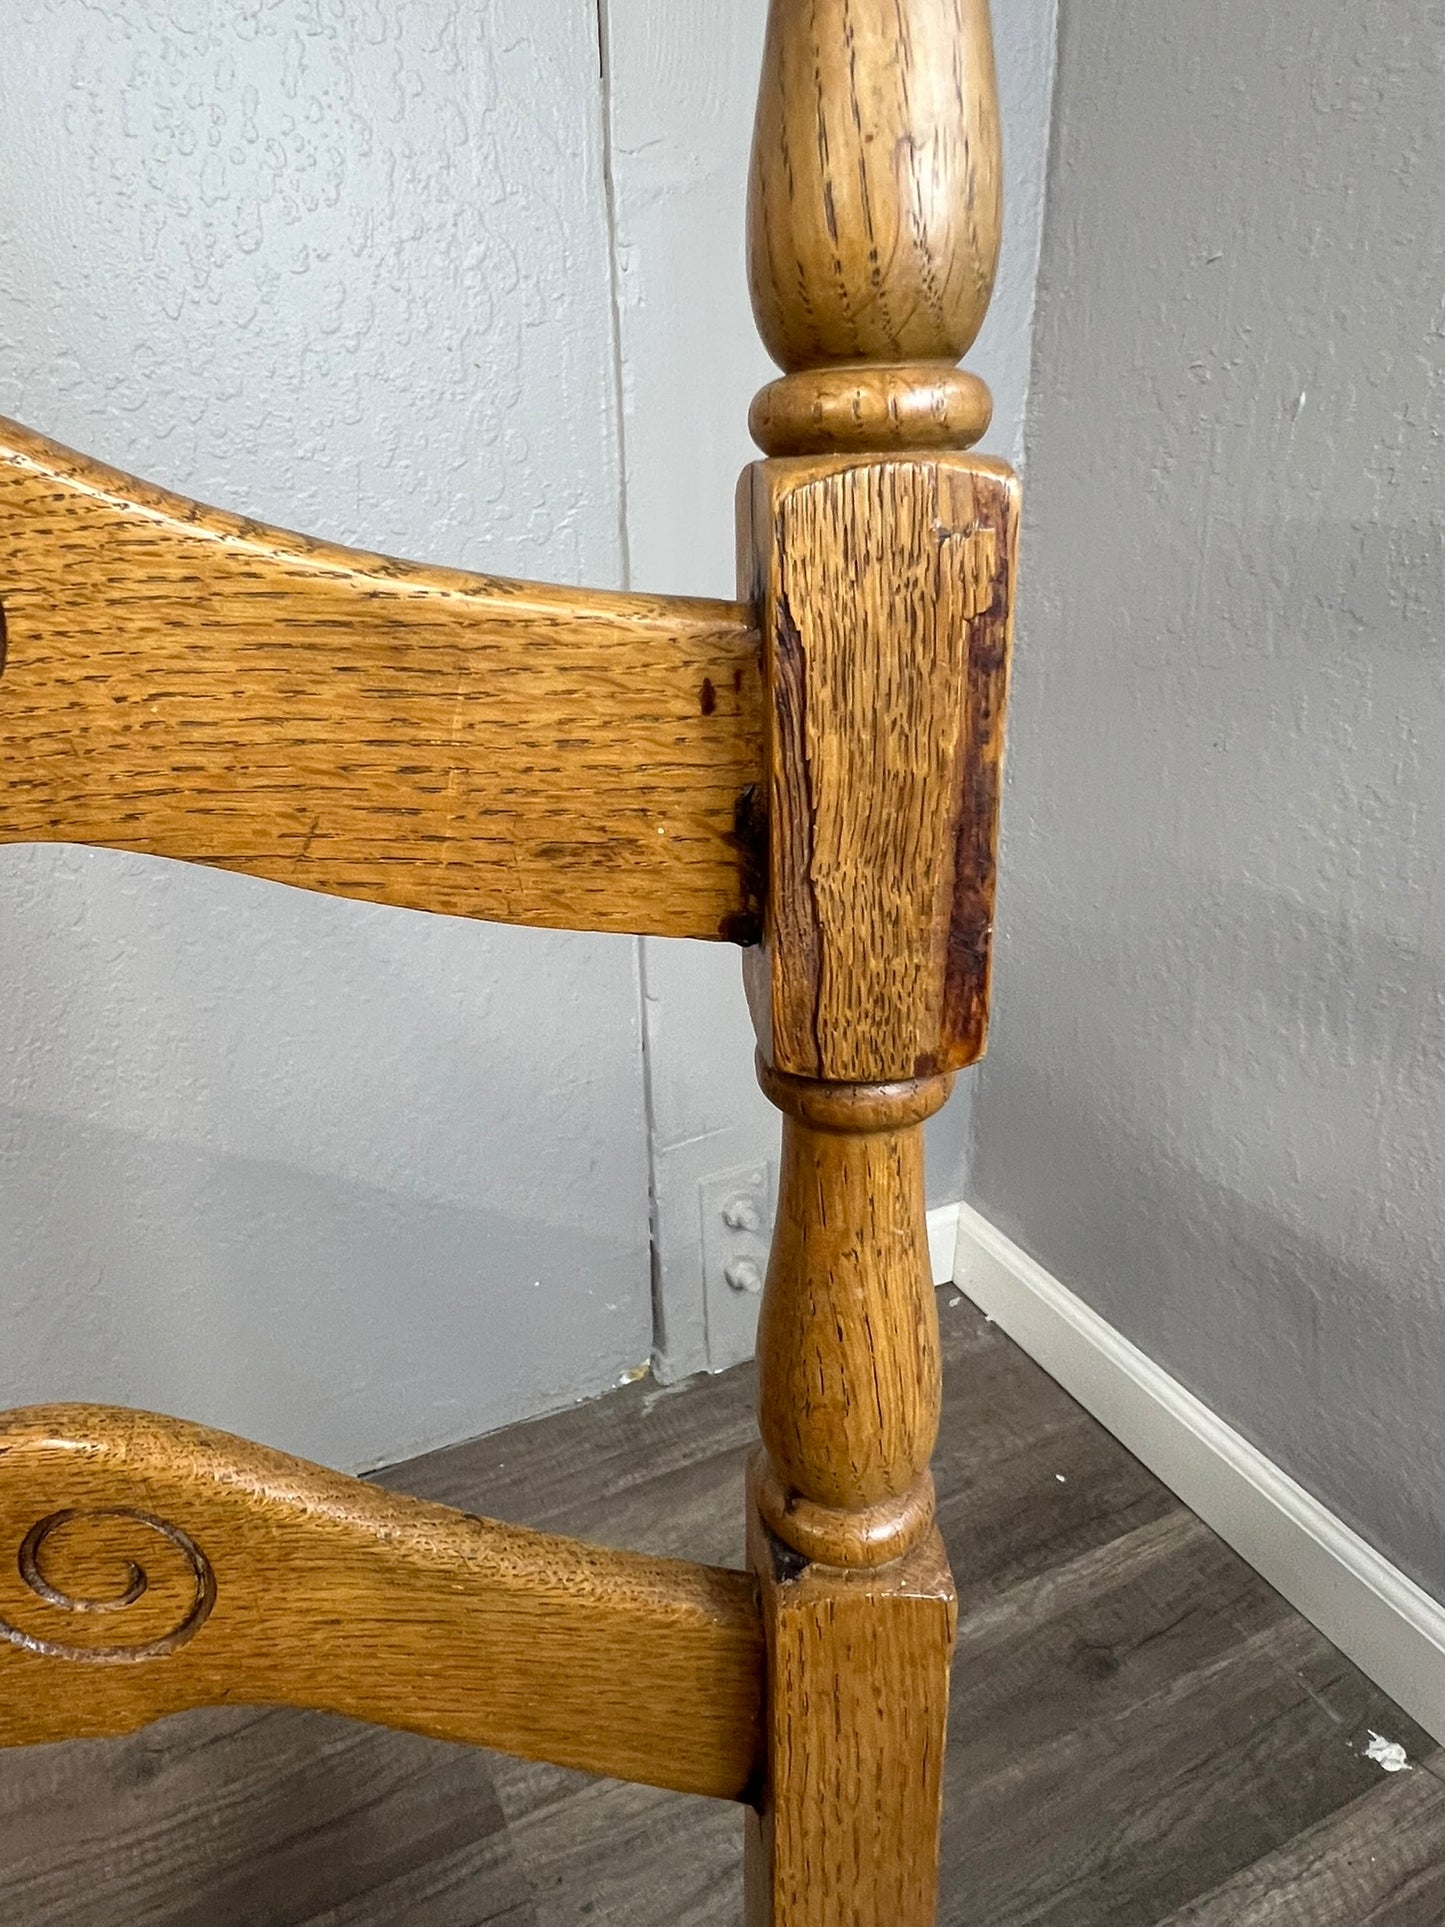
[
  {"x": 943, "y": 1241},
  {"x": 1390, "y": 1627}
]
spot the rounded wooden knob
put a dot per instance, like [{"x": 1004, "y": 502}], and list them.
[
  {"x": 874, "y": 205},
  {"x": 870, "y": 405}
]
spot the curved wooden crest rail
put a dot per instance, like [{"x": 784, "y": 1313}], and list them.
[{"x": 811, "y": 772}]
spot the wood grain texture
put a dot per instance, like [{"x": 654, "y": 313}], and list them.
[
  {"x": 848, "y": 1371},
  {"x": 862, "y": 407},
  {"x": 874, "y": 205},
  {"x": 1158, "y": 1720},
  {"x": 1136, "y": 1720},
  {"x": 1379, "y": 1863},
  {"x": 882, "y": 572},
  {"x": 152, "y": 1566},
  {"x": 885, "y": 592},
  {"x": 184, "y": 683},
  {"x": 858, "y": 1706}
]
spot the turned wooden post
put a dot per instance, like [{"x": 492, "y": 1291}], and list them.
[{"x": 880, "y": 560}]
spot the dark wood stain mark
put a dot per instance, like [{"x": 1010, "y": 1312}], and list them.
[
  {"x": 737, "y": 927},
  {"x": 4, "y": 637},
  {"x": 749, "y": 838},
  {"x": 975, "y": 870},
  {"x": 788, "y": 1565},
  {"x": 792, "y": 869},
  {"x": 708, "y": 700}
]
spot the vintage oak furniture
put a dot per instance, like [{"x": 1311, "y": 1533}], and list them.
[{"x": 811, "y": 773}]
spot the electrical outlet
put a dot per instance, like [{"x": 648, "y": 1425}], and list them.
[{"x": 737, "y": 1228}]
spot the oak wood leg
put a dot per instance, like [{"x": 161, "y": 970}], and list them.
[
  {"x": 880, "y": 559},
  {"x": 857, "y": 1698},
  {"x": 858, "y": 1605}
]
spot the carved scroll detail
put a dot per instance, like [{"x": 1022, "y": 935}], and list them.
[{"x": 137, "y": 1584}]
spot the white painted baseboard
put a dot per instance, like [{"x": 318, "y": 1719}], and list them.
[
  {"x": 943, "y": 1241},
  {"x": 1384, "y": 1622}
]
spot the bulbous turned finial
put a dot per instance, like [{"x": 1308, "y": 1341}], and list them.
[{"x": 873, "y": 222}]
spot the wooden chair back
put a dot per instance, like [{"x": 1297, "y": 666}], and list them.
[
  {"x": 184, "y": 683},
  {"x": 812, "y": 773}
]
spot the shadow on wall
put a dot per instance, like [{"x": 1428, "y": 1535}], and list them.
[{"x": 306, "y": 1170}]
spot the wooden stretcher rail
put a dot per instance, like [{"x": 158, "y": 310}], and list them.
[
  {"x": 184, "y": 683},
  {"x": 148, "y": 1566}
]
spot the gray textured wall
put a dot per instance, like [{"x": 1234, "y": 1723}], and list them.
[
  {"x": 349, "y": 1180},
  {"x": 1215, "y": 1102}
]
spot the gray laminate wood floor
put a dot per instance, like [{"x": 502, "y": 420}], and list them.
[{"x": 1143, "y": 1733}]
